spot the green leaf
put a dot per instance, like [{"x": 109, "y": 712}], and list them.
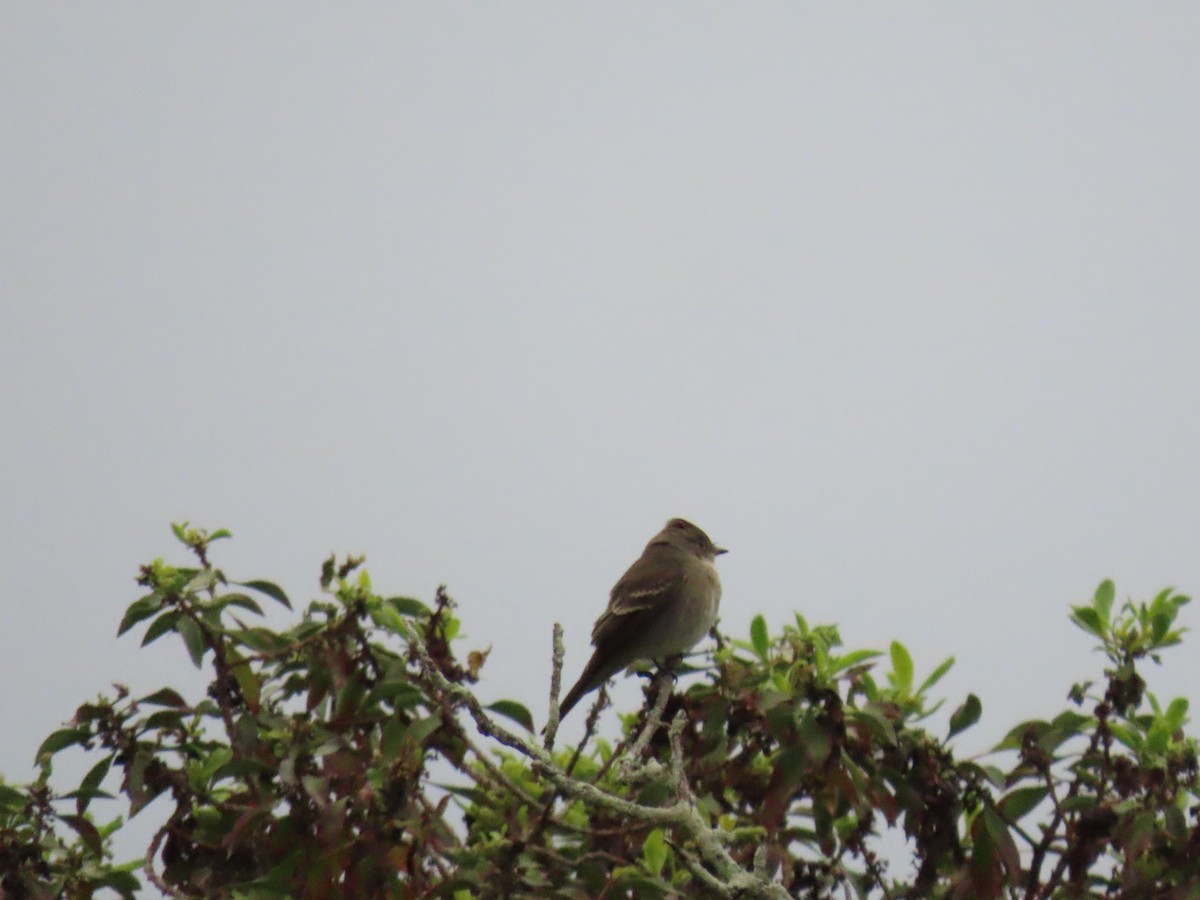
[
  {"x": 84, "y": 796},
  {"x": 407, "y": 606},
  {"x": 328, "y": 571},
  {"x": 274, "y": 591},
  {"x": 397, "y": 734},
  {"x": 202, "y": 580},
  {"x": 1170, "y": 639},
  {"x": 1176, "y": 714},
  {"x": 1160, "y": 624},
  {"x": 248, "y": 683},
  {"x": 965, "y": 716},
  {"x": 994, "y": 774},
  {"x": 193, "y": 639},
  {"x": 820, "y": 657},
  {"x": 60, "y": 740},
  {"x": 902, "y": 668},
  {"x": 510, "y": 709},
  {"x": 876, "y": 723},
  {"x": 1158, "y": 737},
  {"x": 163, "y": 720},
  {"x": 759, "y": 639},
  {"x": 936, "y": 675},
  {"x": 400, "y": 694},
  {"x": 1006, "y": 847},
  {"x": 164, "y": 697},
  {"x": 124, "y": 883},
  {"x": 241, "y": 600},
  {"x": 262, "y": 639},
  {"x": 1021, "y": 801},
  {"x": 1162, "y": 601},
  {"x": 421, "y": 729},
  {"x": 1071, "y": 723},
  {"x": 387, "y": 618},
  {"x": 1087, "y": 619},
  {"x": 814, "y": 739},
  {"x": 1175, "y": 822},
  {"x": 391, "y": 738},
  {"x": 142, "y": 608},
  {"x": 11, "y": 799},
  {"x": 1079, "y": 803},
  {"x": 837, "y": 664},
  {"x": 160, "y": 626},
  {"x": 654, "y": 852},
  {"x": 94, "y": 777},
  {"x": 1066, "y": 725},
  {"x": 1127, "y": 736},
  {"x": 1103, "y": 600},
  {"x": 208, "y": 766},
  {"x": 1015, "y": 736}
]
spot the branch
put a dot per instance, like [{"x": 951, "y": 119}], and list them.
[
  {"x": 681, "y": 815},
  {"x": 148, "y": 868},
  {"x": 631, "y": 766},
  {"x": 1034, "y": 888}
]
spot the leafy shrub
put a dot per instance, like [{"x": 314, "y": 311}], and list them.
[{"x": 305, "y": 769}]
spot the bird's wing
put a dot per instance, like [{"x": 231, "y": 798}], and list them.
[{"x": 640, "y": 594}]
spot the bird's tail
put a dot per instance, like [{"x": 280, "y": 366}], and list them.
[
  {"x": 595, "y": 673},
  {"x": 573, "y": 696}
]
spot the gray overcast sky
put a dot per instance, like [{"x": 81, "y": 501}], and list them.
[{"x": 899, "y": 303}]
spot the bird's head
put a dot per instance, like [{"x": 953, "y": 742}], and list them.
[{"x": 683, "y": 532}]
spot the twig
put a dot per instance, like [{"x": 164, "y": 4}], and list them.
[
  {"x": 552, "y": 718},
  {"x": 589, "y": 727},
  {"x": 551, "y": 729}
]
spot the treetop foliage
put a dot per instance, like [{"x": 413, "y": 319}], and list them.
[{"x": 348, "y": 755}]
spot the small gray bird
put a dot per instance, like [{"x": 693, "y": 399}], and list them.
[{"x": 663, "y": 605}]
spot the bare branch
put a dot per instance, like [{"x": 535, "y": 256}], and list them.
[{"x": 552, "y": 717}]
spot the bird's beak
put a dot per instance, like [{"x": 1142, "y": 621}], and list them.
[{"x": 721, "y": 550}]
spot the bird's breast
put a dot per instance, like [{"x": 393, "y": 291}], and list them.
[{"x": 698, "y": 602}]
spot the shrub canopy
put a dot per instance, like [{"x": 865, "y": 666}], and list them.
[{"x": 347, "y": 755}]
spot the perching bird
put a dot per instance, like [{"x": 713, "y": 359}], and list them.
[{"x": 662, "y": 605}]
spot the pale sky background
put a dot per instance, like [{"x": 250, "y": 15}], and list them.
[{"x": 899, "y": 303}]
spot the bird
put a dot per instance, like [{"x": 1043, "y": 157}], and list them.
[{"x": 663, "y": 604}]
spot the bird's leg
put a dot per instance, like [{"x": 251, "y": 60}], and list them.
[
  {"x": 716, "y": 636},
  {"x": 670, "y": 666},
  {"x": 663, "y": 680}
]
